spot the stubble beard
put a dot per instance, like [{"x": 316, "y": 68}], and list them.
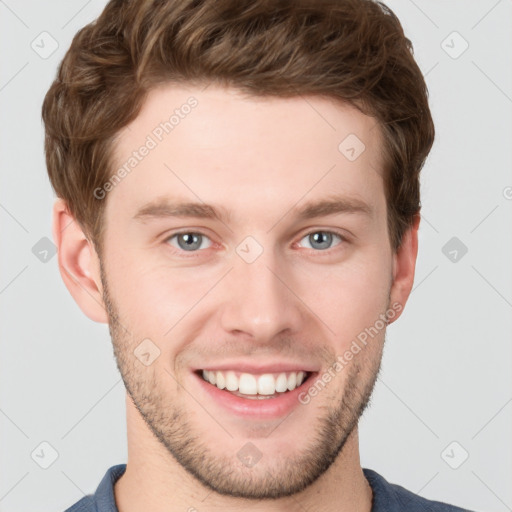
[{"x": 272, "y": 477}]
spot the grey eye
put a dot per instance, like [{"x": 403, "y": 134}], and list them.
[
  {"x": 321, "y": 240},
  {"x": 188, "y": 241}
]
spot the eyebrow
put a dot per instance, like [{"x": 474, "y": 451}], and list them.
[{"x": 164, "y": 208}]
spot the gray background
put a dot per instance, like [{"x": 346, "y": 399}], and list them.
[{"x": 445, "y": 389}]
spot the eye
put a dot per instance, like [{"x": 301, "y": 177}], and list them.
[
  {"x": 322, "y": 240},
  {"x": 192, "y": 242},
  {"x": 188, "y": 241}
]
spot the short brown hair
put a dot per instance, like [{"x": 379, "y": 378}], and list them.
[{"x": 350, "y": 50}]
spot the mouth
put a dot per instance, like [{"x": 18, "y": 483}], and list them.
[{"x": 255, "y": 386}]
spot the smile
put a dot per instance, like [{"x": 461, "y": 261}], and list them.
[{"x": 255, "y": 386}]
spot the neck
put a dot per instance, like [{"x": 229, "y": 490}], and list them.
[{"x": 154, "y": 481}]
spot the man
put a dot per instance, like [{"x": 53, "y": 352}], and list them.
[{"x": 238, "y": 198}]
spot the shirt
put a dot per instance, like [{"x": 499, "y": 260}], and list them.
[{"x": 386, "y": 497}]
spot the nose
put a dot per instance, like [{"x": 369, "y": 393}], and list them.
[{"x": 261, "y": 303}]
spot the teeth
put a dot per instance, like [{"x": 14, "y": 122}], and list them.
[
  {"x": 281, "y": 383},
  {"x": 221, "y": 381},
  {"x": 248, "y": 384},
  {"x": 292, "y": 381},
  {"x": 266, "y": 385},
  {"x": 231, "y": 381}
]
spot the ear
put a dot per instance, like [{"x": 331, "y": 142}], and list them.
[
  {"x": 78, "y": 263},
  {"x": 404, "y": 265}
]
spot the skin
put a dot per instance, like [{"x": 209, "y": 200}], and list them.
[{"x": 261, "y": 159}]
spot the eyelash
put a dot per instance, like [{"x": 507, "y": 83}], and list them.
[{"x": 197, "y": 253}]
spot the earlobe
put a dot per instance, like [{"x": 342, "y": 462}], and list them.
[
  {"x": 78, "y": 263},
  {"x": 404, "y": 265}
]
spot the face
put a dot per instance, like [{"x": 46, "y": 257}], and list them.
[{"x": 282, "y": 267}]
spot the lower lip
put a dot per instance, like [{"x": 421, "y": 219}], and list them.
[{"x": 266, "y": 408}]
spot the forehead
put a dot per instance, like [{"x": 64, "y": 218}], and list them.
[{"x": 221, "y": 146}]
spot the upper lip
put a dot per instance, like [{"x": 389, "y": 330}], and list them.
[{"x": 251, "y": 367}]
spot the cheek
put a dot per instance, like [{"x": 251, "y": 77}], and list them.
[
  {"x": 153, "y": 298},
  {"x": 351, "y": 296}
]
